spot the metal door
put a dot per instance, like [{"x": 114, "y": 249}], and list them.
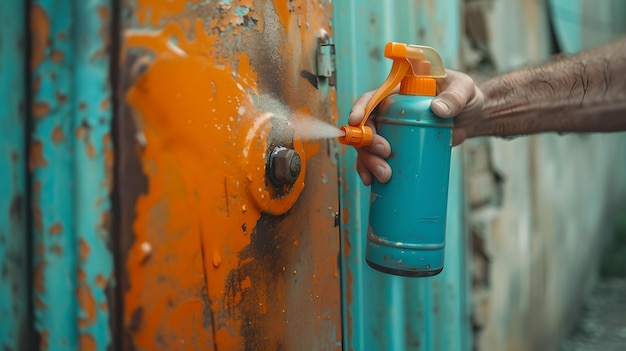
[{"x": 216, "y": 251}]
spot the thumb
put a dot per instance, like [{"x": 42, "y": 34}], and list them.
[{"x": 448, "y": 104}]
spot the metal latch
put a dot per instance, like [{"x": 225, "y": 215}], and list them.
[{"x": 326, "y": 57}]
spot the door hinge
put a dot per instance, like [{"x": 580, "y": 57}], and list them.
[{"x": 326, "y": 58}]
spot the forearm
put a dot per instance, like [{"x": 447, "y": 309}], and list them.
[{"x": 582, "y": 93}]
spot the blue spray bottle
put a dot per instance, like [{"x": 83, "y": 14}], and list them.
[{"x": 406, "y": 233}]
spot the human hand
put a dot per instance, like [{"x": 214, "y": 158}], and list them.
[{"x": 458, "y": 97}]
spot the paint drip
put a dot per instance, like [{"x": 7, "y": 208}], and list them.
[{"x": 287, "y": 121}]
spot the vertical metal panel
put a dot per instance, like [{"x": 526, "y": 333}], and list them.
[
  {"x": 383, "y": 312},
  {"x": 215, "y": 259},
  {"x": 93, "y": 166},
  {"x": 71, "y": 161},
  {"x": 13, "y": 239}
]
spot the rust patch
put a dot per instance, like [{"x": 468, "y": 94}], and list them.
[
  {"x": 91, "y": 150},
  {"x": 83, "y": 250},
  {"x": 105, "y": 219},
  {"x": 36, "y": 158},
  {"x": 82, "y": 106},
  {"x": 39, "y": 33},
  {"x": 40, "y": 109},
  {"x": 36, "y": 84},
  {"x": 87, "y": 303},
  {"x": 37, "y": 187},
  {"x": 37, "y": 217},
  {"x": 55, "y": 229},
  {"x": 57, "y": 56},
  {"x": 101, "y": 281},
  {"x": 81, "y": 276},
  {"x": 81, "y": 131},
  {"x": 57, "y": 249},
  {"x": 38, "y": 284},
  {"x": 62, "y": 99},
  {"x": 43, "y": 341},
  {"x": 103, "y": 12},
  {"x": 39, "y": 304},
  {"x": 57, "y": 134},
  {"x": 105, "y": 104},
  {"x": 107, "y": 150},
  {"x": 87, "y": 342}
]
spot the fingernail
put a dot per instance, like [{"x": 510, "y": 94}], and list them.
[
  {"x": 381, "y": 172},
  {"x": 442, "y": 107},
  {"x": 380, "y": 149}
]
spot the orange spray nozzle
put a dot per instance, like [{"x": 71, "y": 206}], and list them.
[
  {"x": 416, "y": 67},
  {"x": 357, "y": 136}
]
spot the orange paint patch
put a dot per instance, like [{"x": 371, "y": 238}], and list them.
[
  {"x": 246, "y": 283},
  {"x": 191, "y": 105},
  {"x": 282, "y": 10}
]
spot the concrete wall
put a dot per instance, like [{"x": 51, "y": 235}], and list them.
[{"x": 541, "y": 206}]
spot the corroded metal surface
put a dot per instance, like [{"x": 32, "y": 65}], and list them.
[
  {"x": 220, "y": 257},
  {"x": 71, "y": 162},
  {"x": 13, "y": 240}
]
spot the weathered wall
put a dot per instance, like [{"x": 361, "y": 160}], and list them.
[{"x": 541, "y": 205}]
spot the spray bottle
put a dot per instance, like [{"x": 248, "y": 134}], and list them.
[{"x": 406, "y": 233}]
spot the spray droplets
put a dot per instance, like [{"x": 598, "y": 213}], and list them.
[{"x": 306, "y": 127}]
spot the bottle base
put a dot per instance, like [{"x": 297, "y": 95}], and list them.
[{"x": 405, "y": 273}]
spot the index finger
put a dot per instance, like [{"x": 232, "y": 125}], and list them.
[{"x": 358, "y": 109}]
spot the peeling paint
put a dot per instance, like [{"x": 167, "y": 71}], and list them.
[
  {"x": 70, "y": 74},
  {"x": 207, "y": 236}
]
